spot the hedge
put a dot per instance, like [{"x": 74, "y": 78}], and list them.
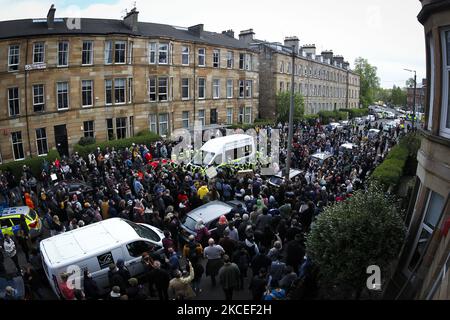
[
  {"x": 355, "y": 113},
  {"x": 327, "y": 116},
  {"x": 257, "y": 123},
  {"x": 311, "y": 118},
  {"x": 141, "y": 138},
  {"x": 35, "y": 164},
  {"x": 399, "y": 161}
]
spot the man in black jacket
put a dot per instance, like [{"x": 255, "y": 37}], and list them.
[
  {"x": 258, "y": 285},
  {"x": 161, "y": 280},
  {"x": 260, "y": 261}
]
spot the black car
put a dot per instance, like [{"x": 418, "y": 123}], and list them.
[{"x": 72, "y": 187}]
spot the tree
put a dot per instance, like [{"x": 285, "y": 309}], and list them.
[
  {"x": 368, "y": 79},
  {"x": 410, "y": 83},
  {"x": 398, "y": 96},
  {"x": 349, "y": 236},
  {"x": 283, "y": 105}
]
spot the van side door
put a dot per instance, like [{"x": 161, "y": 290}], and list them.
[
  {"x": 98, "y": 266},
  {"x": 134, "y": 251}
]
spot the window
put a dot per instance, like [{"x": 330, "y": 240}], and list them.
[
  {"x": 201, "y": 88},
  {"x": 87, "y": 53},
  {"x": 88, "y": 129},
  {"x": 163, "y": 124},
  {"x": 185, "y": 119},
  {"x": 230, "y": 61},
  {"x": 248, "y": 61},
  {"x": 281, "y": 86},
  {"x": 163, "y": 53},
  {"x": 185, "y": 88},
  {"x": 119, "y": 91},
  {"x": 288, "y": 68},
  {"x": 86, "y": 93},
  {"x": 13, "y": 101},
  {"x": 13, "y": 57},
  {"x": 121, "y": 128},
  {"x": 216, "y": 88},
  {"x": 108, "y": 92},
  {"x": 110, "y": 129},
  {"x": 439, "y": 281},
  {"x": 130, "y": 52},
  {"x": 131, "y": 126},
  {"x": 445, "y": 113},
  {"x": 152, "y": 89},
  {"x": 282, "y": 67},
  {"x": 162, "y": 89},
  {"x": 63, "y": 54},
  {"x": 229, "y": 88},
  {"x": 108, "y": 52},
  {"x": 229, "y": 115},
  {"x": 153, "y": 125},
  {"x": 62, "y": 91},
  {"x": 241, "y": 115},
  {"x": 41, "y": 141},
  {"x": 201, "y": 57},
  {"x": 241, "y": 88},
  {"x": 17, "y": 144},
  {"x": 152, "y": 53},
  {"x": 201, "y": 117},
  {"x": 119, "y": 51},
  {"x": 38, "y": 98},
  {"x": 213, "y": 116},
  {"x": 248, "y": 88},
  {"x": 130, "y": 90},
  {"x": 216, "y": 58},
  {"x": 185, "y": 55},
  {"x": 248, "y": 115},
  {"x": 431, "y": 80},
  {"x": 38, "y": 52},
  {"x": 241, "y": 60}
]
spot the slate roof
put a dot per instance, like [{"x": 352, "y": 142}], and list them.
[{"x": 28, "y": 28}]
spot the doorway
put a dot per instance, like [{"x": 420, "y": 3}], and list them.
[{"x": 62, "y": 145}]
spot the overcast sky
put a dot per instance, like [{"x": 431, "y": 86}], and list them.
[{"x": 385, "y": 32}]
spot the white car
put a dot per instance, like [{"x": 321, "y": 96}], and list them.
[
  {"x": 390, "y": 115},
  {"x": 335, "y": 125},
  {"x": 389, "y": 125},
  {"x": 358, "y": 120},
  {"x": 370, "y": 118}
]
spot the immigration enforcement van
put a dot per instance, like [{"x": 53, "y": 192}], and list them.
[
  {"x": 95, "y": 246},
  {"x": 232, "y": 149}
]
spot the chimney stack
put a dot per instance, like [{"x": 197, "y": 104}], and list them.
[
  {"x": 328, "y": 55},
  {"x": 131, "y": 20},
  {"x": 339, "y": 60},
  {"x": 309, "y": 50},
  {"x": 51, "y": 17},
  {"x": 196, "y": 30},
  {"x": 247, "y": 36},
  {"x": 229, "y": 33},
  {"x": 346, "y": 65},
  {"x": 292, "y": 41}
]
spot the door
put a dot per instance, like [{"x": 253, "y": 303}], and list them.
[
  {"x": 62, "y": 145},
  {"x": 213, "y": 118},
  {"x": 134, "y": 252}
]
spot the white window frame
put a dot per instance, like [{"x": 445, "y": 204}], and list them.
[
  {"x": 111, "y": 87},
  {"x": 230, "y": 59},
  {"x": 184, "y": 86},
  {"x": 12, "y": 67},
  {"x": 40, "y": 52},
  {"x": 201, "y": 116},
  {"x": 445, "y": 110},
  {"x": 160, "y": 94},
  {"x": 248, "y": 115},
  {"x": 248, "y": 62},
  {"x": 163, "y": 122},
  {"x": 117, "y": 80},
  {"x": 130, "y": 52},
  {"x": 152, "y": 89},
  {"x": 432, "y": 74},
  {"x": 35, "y": 96},
  {"x": 229, "y": 88},
  {"x": 91, "y": 53},
  {"x": 110, "y": 128},
  {"x": 248, "y": 88},
  {"x": 17, "y": 143},
  {"x": 241, "y": 60},
  {"x": 121, "y": 127},
  {"x": 153, "y": 123},
  {"x": 241, "y": 89},
  {"x": 203, "y": 55},
  {"x": 124, "y": 50},
  {"x": 216, "y": 58},
  {"x": 229, "y": 115},
  {"x": 13, "y": 99},
  {"x": 109, "y": 52},
  {"x": 167, "y": 51},
  {"x": 91, "y": 90},
  {"x": 439, "y": 279},
  {"x": 130, "y": 90},
  {"x": 204, "y": 88},
  {"x": 241, "y": 114},
  {"x": 88, "y": 130},
  {"x": 66, "y": 92},
  {"x": 131, "y": 126},
  {"x": 43, "y": 140},
  {"x": 64, "y": 52},
  {"x": 216, "y": 88},
  {"x": 185, "y": 54},
  {"x": 184, "y": 119},
  {"x": 152, "y": 52}
]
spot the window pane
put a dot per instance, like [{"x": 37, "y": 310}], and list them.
[
  {"x": 108, "y": 91},
  {"x": 434, "y": 210},
  {"x": 119, "y": 90},
  {"x": 447, "y": 121},
  {"x": 447, "y": 37}
]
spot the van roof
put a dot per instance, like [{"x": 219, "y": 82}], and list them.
[
  {"x": 14, "y": 211},
  {"x": 216, "y": 145},
  {"x": 210, "y": 211},
  {"x": 73, "y": 245}
]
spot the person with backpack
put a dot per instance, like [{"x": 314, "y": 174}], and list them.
[
  {"x": 192, "y": 250},
  {"x": 242, "y": 259}
]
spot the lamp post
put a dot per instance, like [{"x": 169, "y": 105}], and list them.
[
  {"x": 291, "y": 120},
  {"x": 414, "y": 97}
]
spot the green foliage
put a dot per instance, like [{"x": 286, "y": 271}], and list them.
[
  {"x": 283, "y": 103},
  {"x": 355, "y": 113},
  {"x": 256, "y": 123},
  {"x": 368, "y": 79},
  {"x": 146, "y": 138},
  {"x": 329, "y": 116},
  {"x": 346, "y": 238},
  {"x": 35, "y": 164},
  {"x": 311, "y": 118},
  {"x": 84, "y": 141},
  {"x": 398, "y": 96}
]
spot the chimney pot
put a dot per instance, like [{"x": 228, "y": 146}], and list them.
[
  {"x": 131, "y": 19},
  {"x": 196, "y": 30},
  {"x": 51, "y": 17},
  {"x": 246, "y": 36}
]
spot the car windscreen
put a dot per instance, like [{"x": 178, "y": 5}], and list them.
[
  {"x": 276, "y": 180},
  {"x": 32, "y": 214},
  {"x": 144, "y": 232},
  {"x": 189, "y": 223}
]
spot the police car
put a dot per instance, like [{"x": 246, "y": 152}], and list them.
[{"x": 10, "y": 221}]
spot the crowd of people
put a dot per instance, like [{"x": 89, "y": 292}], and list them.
[{"x": 264, "y": 241}]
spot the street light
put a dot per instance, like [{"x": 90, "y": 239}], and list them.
[
  {"x": 414, "y": 97},
  {"x": 291, "y": 120}
]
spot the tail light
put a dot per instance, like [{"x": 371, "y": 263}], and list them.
[{"x": 33, "y": 225}]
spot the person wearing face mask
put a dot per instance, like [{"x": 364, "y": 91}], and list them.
[{"x": 91, "y": 290}]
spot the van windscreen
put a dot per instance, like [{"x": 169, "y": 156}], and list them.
[{"x": 144, "y": 232}]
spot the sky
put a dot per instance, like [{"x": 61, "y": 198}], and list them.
[{"x": 385, "y": 32}]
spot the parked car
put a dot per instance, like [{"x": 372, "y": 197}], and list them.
[
  {"x": 72, "y": 187},
  {"x": 10, "y": 221},
  {"x": 96, "y": 246},
  {"x": 373, "y": 133},
  {"x": 389, "y": 125},
  {"x": 278, "y": 179},
  {"x": 358, "y": 120},
  {"x": 334, "y": 125},
  {"x": 370, "y": 118}
]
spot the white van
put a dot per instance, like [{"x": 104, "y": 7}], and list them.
[
  {"x": 235, "y": 148},
  {"x": 95, "y": 246}
]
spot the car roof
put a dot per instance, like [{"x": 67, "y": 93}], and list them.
[
  {"x": 210, "y": 211},
  {"x": 76, "y": 244},
  {"x": 292, "y": 173},
  {"x": 348, "y": 145},
  {"x": 321, "y": 155},
  {"x": 374, "y": 130},
  {"x": 216, "y": 145},
  {"x": 14, "y": 211}
]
